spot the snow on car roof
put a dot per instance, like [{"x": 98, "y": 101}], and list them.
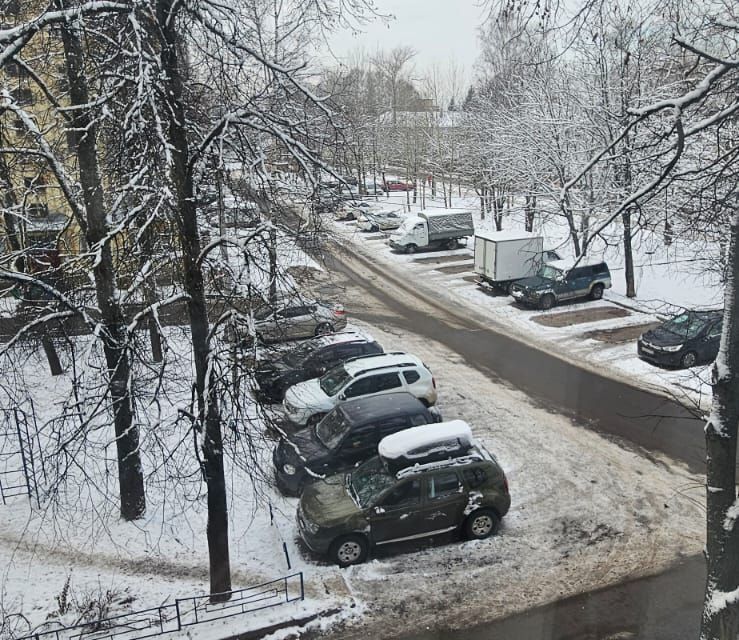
[
  {"x": 419, "y": 442},
  {"x": 568, "y": 263},
  {"x": 432, "y": 213},
  {"x": 395, "y": 358},
  {"x": 343, "y": 336},
  {"x": 506, "y": 234}
]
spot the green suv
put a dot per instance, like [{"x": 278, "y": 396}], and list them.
[
  {"x": 426, "y": 481},
  {"x": 560, "y": 280}
]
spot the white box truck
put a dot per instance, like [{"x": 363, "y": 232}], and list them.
[
  {"x": 501, "y": 257},
  {"x": 432, "y": 229}
]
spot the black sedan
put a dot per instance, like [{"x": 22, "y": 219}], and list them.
[{"x": 684, "y": 341}]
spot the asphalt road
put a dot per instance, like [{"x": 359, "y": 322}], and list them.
[
  {"x": 633, "y": 416},
  {"x": 666, "y": 606}
]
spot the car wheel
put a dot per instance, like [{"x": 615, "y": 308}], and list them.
[
  {"x": 349, "y": 550},
  {"x": 315, "y": 419},
  {"x": 350, "y": 216},
  {"x": 481, "y": 524},
  {"x": 410, "y": 248},
  {"x": 689, "y": 359},
  {"x": 596, "y": 293},
  {"x": 547, "y": 302},
  {"x": 451, "y": 244},
  {"x": 508, "y": 288},
  {"x": 324, "y": 328},
  {"x": 374, "y": 228}
]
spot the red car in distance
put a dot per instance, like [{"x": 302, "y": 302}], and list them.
[{"x": 398, "y": 185}]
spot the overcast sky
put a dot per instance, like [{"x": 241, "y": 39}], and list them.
[{"x": 437, "y": 29}]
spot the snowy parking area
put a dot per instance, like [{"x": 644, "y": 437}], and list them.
[{"x": 667, "y": 282}]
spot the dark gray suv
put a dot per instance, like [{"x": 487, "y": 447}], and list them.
[
  {"x": 560, "y": 280},
  {"x": 347, "y": 435}
]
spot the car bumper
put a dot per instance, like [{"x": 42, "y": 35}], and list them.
[
  {"x": 661, "y": 358},
  {"x": 316, "y": 543},
  {"x": 525, "y": 298}
]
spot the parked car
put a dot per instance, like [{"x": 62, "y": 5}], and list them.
[
  {"x": 686, "y": 340},
  {"x": 382, "y": 220},
  {"x": 298, "y": 319},
  {"x": 307, "y": 402},
  {"x": 425, "y": 481},
  {"x": 432, "y": 229},
  {"x": 398, "y": 185},
  {"x": 348, "y": 435},
  {"x": 311, "y": 359},
  {"x": 560, "y": 280}
]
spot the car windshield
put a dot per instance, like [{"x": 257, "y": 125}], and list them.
[
  {"x": 686, "y": 325},
  {"x": 407, "y": 225},
  {"x": 369, "y": 480},
  {"x": 549, "y": 272},
  {"x": 334, "y": 380},
  {"x": 330, "y": 431},
  {"x": 296, "y": 356}
]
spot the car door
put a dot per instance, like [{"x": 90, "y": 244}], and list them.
[
  {"x": 374, "y": 384},
  {"x": 571, "y": 285},
  {"x": 358, "y": 446},
  {"x": 297, "y": 321},
  {"x": 710, "y": 343},
  {"x": 396, "y": 517},
  {"x": 444, "y": 501}
]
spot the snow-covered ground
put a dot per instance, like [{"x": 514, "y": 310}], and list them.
[
  {"x": 585, "y": 513},
  {"x": 668, "y": 279}
]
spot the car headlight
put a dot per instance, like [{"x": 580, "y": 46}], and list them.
[
  {"x": 288, "y": 469},
  {"x": 673, "y": 348}
]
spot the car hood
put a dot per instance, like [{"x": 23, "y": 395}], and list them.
[
  {"x": 662, "y": 337},
  {"x": 327, "y": 502},
  {"x": 308, "y": 394},
  {"x": 535, "y": 282},
  {"x": 302, "y": 448}
]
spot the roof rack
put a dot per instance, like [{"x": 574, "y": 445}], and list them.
[{"x": 375, "y": 355}]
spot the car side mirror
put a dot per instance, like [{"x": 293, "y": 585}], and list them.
[
  {"x": 378, "y": 510},
  {"x": 342, "y": 396}
]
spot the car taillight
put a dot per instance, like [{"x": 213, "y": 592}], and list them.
[
  {"x": 339, "y": 310},
  {"x": 505, "y": 484}
]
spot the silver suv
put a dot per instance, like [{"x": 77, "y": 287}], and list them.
[
  {"x": 307, "y": 402},
  {"x": 295, "y": 319}
]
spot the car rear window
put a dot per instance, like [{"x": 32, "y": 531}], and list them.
[{"x": 411, "y": 376}]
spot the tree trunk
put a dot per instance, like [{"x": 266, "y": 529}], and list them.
[
  {"x": 208, "y": 421},
  {"x": 117, "y": 356},
  {"x": 628, "y": 255},
  {"x": 55, "y": 366},
  {"x": 720, "y": 619},
  {"x": 530, "y": 208}
]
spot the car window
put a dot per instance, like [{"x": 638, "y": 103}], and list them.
[
  {"x": 600, "y": 268},
  {"x": 293, "y": 312},
  {"x": 334, "y": 380},
  {"x": 360, "y": 387},
  {"x": 443, "y": 484},
  {"x": 332, "y": 429},
  {"x": 346, "y": 351},
  {"x": 686, "y": 325},
  {"x": 714, "y": 331},
  {"x": 405, "y": 494},
  {"x": 411, "y": 376},
  {"x": 549, "y": 272},
  {"x": 369, "y": 480},
  {"x": 385, "y": 381},
  {"x": 475, "y": 477}
]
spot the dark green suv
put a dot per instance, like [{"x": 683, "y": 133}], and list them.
[
  {"x": 560, "y": 280},
  {"x": 426, "y": 481}
]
